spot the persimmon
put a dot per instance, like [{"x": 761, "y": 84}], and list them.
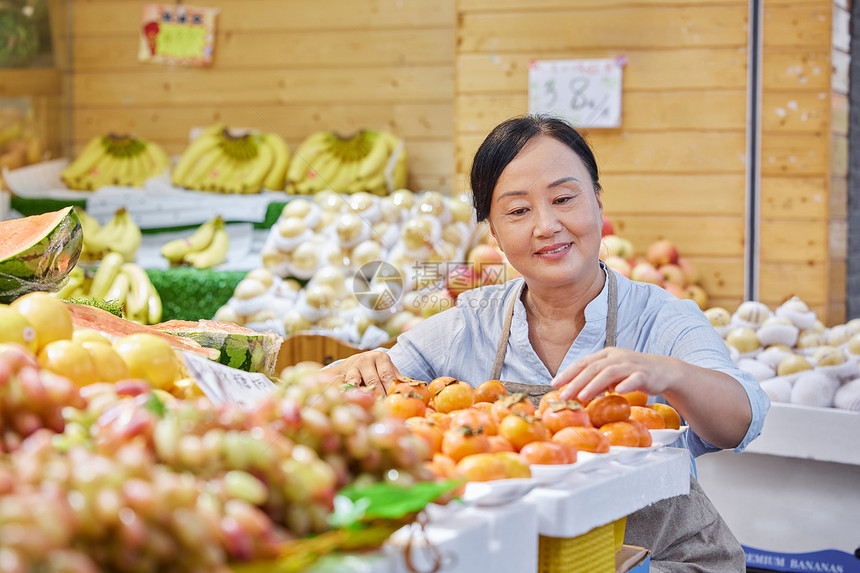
[
  {"x": 560, "y": 415},
  {"x": 405, "y": 406},
  {"x": 461, "y": 442},
  {"x": 455, "y": 395},
  {"x": 648, "y": 417},
  {"x": 481, "y": 467},
  {"x": 546, "y": 400},
  {"x": 515, "y": 465},
  {"x": 670, "y": 415},
  {"x": 438, "y": 383},
  {"x": 605, "y": 409},
  {"x": 414, "y": 387},
  {"x": 514, "y": 404},
  {"x": 583, "y": 439},
  {"x": 545, "y": 452},
  {"x": 428, "y": 430},
  {"x": 490, "y": 391},
  {"x": 644, "y": 435},
  {"x": 443, "y": 420},
  {"x": 475, "y": 419},
  {"x": 520, "y": 430},
  {"x": 636, "y": 397},
  {"x": 499, "y": 444},
  {"x": 485, "y": 407},
  {"x": 442, "y": 466},
  {"x": 621, "y": 434}
]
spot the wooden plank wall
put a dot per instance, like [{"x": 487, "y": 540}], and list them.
[
  {"x": 675, "y": 168},
  {"x": 291, "y": 66},
  {"x": 804, "y": 158}
]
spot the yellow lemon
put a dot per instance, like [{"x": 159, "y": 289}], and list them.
[
  {"x": 48, "y": 316},
  {"x": 69, "y": 359},
  {"x": 110, "y": 366},
  {"x": 15, "y": 328},
  {"x": 149, "y": 357},
  {"x": 90, "y": 335}
]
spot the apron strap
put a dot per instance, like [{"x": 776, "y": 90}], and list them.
[{"x": 611, "y": 324}]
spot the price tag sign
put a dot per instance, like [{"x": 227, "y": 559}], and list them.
[
  {"x": 587, "y": 93},
  {"x": 225, "y": 385},
  {"x": 177, "y": 34}
]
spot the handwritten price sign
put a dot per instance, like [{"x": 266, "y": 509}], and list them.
[
  {"x": 175, "y": 34},
  {"x": 587, "y": 93}
]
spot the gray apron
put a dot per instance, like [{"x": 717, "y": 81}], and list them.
[{"x": 685, "y": 533}]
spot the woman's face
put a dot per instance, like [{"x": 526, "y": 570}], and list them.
[{"x": 546, "y": 216}]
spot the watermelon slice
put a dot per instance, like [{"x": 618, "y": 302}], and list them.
[
  {"x": 85, "y": 316},
  {"x": 37, "y": 253},
  {"x": 240, "y": 347}
]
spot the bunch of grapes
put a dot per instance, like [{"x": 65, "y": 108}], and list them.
[
  {"x": 349, "y": 429},
  {"x": 30, "y": 397}
]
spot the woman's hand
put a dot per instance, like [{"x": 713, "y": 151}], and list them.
[
  {"x": 617, "y": 370},
  {"x": 372, "y": 369},
  {"x": 713, "y": 403}
]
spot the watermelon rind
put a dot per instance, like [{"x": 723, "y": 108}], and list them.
[
  {"x": 44, "y": 260},
  {"x": 241, "y": 348}
]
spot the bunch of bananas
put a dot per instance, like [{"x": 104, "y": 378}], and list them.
[
  {"x": 119, "y": 281},
  {"x": 225, "y": 163},
  {"x": 371, "y": 161},
  {"x": 120, "y": 235},
  {"x": 205, "y": 248},
  {"x": 115, "y": 160}
]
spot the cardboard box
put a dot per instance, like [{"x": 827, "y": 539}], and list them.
[{"x": 632, "y": 559}]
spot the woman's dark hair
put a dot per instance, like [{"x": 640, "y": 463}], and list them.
[{"x": 504, "y": 143}]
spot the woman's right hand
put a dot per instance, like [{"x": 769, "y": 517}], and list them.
[{"x": 373, "y": 369}]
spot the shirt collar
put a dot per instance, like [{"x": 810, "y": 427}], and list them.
[{"x": 594, "y": 310}]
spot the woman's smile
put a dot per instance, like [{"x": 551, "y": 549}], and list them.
[{"x": 554, "y": 252}]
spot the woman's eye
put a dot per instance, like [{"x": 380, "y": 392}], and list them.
[
  {"x": 562, "y": 200},
  {"x": 517, "y": 212}
]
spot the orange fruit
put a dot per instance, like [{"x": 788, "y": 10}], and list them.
[
  {"x": 545, "y": 452},
  {"x": 481, "y": 467},
  {"x": 621, "y": 434},
  {"x": 490, "y": 391},
  {"x": 670, "y": 415},
  {"x": 605, "y": 409},
  {"x": 583, "y": 439},
  {"x": 648, "y": 417}
]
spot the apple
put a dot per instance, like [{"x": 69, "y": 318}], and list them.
[
  {"x": 672, "y": 275},
  {"x": 608, "y": 229},
  {"x": 661, "y": 252},
  {"x": 618, "y": 246},
  {"x": 411, "y": 323},
  {"x": 676, "y": 290},
  {"x": 460, "y": 278},
  {"x": 646, "y": 273},
  {"x": 691, "y": 273},
  {"x": 698, "y": 295},
  {"x": 488, "y": 262},
  {"x": 618, "y": 264}
]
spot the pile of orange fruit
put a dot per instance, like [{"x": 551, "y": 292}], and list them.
[{"x": 484, "y": 434}]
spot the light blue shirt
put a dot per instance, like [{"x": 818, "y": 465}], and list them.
[{"x": 462, "y": 342}]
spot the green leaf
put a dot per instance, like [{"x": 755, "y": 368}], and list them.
[
  {"x": 386, "y": 501},
  {"x": 155, "y": 405}
]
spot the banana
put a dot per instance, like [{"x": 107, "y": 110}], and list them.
[
  {"x": 258, "y": 167},
  {"x": 233, "y": 171},
  {"x": 400, "y": 174},
  {"x": 118, "y": 290},
  {"x": 90, "y": 227},
  {"x": 375, "y": 161},
  {"x": 174, "y": 251},
  {"x": 158, "y": 159},
  {"x": 323, "y": 171},
  {"x": 205, "y": 142},
  {"x": 138, "y": 292},
  {"x": 277, "y": 176},
  {"x": 306, "y": 154},
  {"x": 84, "y": 162},
  {"x": 105, "y": 275},
  {"x": 153, "y": 306},
  {"x": 199, "y": 176},
  {"x": 130, "y": 236},
  {"x": 74, "y": 281},
  {"x": 214, "y": 254}
]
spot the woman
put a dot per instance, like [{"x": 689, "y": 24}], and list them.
[{"x": 571, "y": 321}]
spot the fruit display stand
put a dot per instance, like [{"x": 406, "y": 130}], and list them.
[
  {"x": 503, "y": 529},
  {"x": 792, "y": 498}
]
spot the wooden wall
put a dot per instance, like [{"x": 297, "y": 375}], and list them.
[
  {"x": 804, "y": 155},
  {"x": 291, "y": 66},
  {"x": 675, "y": 168}
]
